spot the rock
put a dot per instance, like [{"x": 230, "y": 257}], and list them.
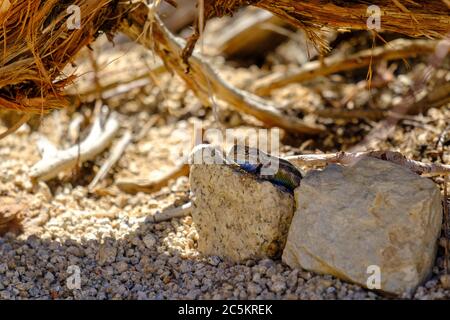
[
  {"x": 106, "y": 253},
  {"x": 121, "y": 267},
  {"x": 278, "y": 286},
  {"x": 375, "y": 213},
  {"x": 214, "y": 260},
  {"x": 5, "y": 295},
  {"x": 253, "y": 288},
  {"x": 3, "y": 268},
  {"x": 43, "y": 188},
  {"x": 149, "y": 241},
  {"x": 142, "y": 295},
  {"x": 237, "y": 216},
  {"x": 49, "y": 277}
]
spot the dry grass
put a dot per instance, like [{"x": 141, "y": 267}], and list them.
[
  {"x": 36, "y": 44},
  {"x": 428, "y": 19}
]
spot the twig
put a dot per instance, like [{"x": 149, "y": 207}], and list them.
[
  {"x": 201, "y": 76},
  {"x": 397, "y": 49},
  {"x": 346, "y": 158},
  {"x": 435, "y": 98},
  {"x": 148, "y": 186},
  {"x": 120, "y": 86},
  {"x": 343, "y": 113},
  {"x": 115, "y": 155},
  {"x": 95, "y": 67},
  {"x": 24, "y": 119},
  {"x": 54, "y": 161},
  {"x": 408, "y": 103},
  {"x": 168, "y": 214}
]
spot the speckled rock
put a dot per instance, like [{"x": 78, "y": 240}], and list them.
[
  {"x": 374, "y": 213},
  {"x": 237, "y": 216}
]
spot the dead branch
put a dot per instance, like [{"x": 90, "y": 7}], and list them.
[
  {"x": 201, "y": 78},
  {"x": 150, "y": 186},
  {"x": 435, "y": 98},
  {"x": 54, "y": 161},
  {"x": 167, "y": 214},
  {"x": 115, "y": 155},
  {"x": 346, "y": 158},
  {"x": 409, "y": 102},
  {"x": 333, "y": 113},
  {"x": 118, "y": 87},
  {"x": 397, "y": 49}
]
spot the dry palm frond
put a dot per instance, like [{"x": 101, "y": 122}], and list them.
[
  {"x": 37, "y": 41},
  {"x": 427, "y": 19}
]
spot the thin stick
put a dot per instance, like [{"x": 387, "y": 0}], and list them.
[
  {"x": 385, "y": 128},
  {"x": 117, "y": 87},
  {"x": 150, "y": 186},
  {"x": 347, "y": 158},
  {"x": 116, "y": 154},
  {"x": 168, "y": 214},
  {"x": 397, "y": 49}
]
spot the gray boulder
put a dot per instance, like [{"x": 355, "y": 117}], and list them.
[{"x": 358, "y": 222}]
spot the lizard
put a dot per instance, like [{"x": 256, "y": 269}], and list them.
[{"x": 259, "y": 163}]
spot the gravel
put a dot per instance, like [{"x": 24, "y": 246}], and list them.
[{"x": 127, "y": 268}]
